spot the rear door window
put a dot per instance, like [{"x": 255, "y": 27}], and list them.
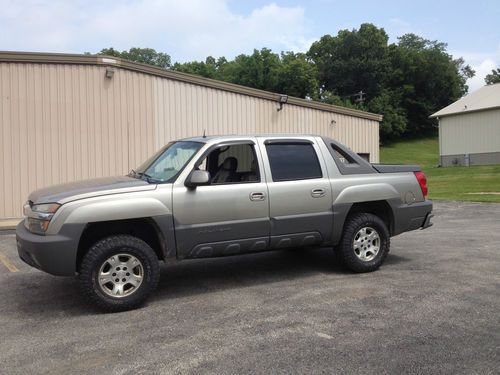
[{"x": 293, "y": 161}]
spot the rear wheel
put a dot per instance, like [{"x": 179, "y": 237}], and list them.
[
  {"x": 118, "y": 273},
  {"x": 365, "y": 243}
]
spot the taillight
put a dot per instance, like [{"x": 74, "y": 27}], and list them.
[{"x": 422, "y": 181}]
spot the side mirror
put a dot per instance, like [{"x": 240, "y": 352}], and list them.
[{"x": 198, "y": 178}]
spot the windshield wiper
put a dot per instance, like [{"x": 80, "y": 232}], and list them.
[
  {"x": 142, "y": 176},
  {"x": 148, "y": 178}
]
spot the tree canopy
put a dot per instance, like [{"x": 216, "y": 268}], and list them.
[
  {"x": 493, "y": 77},
  {"x": 141, "y": 55},
  {"x": 404, "y": 81},
  {"x": 289, "y": 73}
]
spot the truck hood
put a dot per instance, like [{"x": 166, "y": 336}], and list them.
[{"x": 71, "y": 191}]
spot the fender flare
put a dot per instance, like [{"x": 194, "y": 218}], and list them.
[{"x": 359, "y": 194}]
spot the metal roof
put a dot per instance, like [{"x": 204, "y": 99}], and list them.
[
  {"x": 60, "y": 58},
  {"x": 487, "y": 97}
]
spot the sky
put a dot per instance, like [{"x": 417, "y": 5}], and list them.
[{"x": 194, "y": 29}]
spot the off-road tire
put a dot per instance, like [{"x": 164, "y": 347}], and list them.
[
  {"x": 97, "y": 255},
  {"x": 345, "y": 249}
]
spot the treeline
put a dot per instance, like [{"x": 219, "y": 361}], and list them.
[{"x": 404, "y": 81}]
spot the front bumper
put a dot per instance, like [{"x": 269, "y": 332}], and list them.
[{"x": 55, "y": 254}]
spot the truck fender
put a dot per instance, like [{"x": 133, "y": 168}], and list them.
[
  {"x": 367, "y": 193},
  {"x": 117, "y": 210},
  {"x": 358, "y": 194}
]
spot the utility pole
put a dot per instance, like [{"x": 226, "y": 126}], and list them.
[{"x": 360, "y": 97}]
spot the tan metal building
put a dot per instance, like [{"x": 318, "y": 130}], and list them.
[
  {"x": 469, "y": 129},
  {"x": 71, "y": 117}
]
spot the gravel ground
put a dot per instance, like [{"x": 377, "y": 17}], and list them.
[{"x": 434, "y": 307}]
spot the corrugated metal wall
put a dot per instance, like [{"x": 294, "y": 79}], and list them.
[
  {"x": 476, "y": 132},
  {"x": 64, "y": 122}
]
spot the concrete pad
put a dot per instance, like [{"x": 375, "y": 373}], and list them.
[
  {"x": 432, "y": 308},
  {"x": 9, "y": 224}
]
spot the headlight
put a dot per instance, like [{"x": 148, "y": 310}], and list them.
[
  {"x": 48, "y": 208},
  {"x": 40, "y": 216}
]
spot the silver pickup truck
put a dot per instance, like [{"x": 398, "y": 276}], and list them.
[{"x": 215, "y": 196}]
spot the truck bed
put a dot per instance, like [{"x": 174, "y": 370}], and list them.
[{"x": 396, "y": 168}]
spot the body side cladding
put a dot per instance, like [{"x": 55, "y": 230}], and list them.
[
  {"x": 340, "y": 212},
  {"x": 318, "y": 222},
  {"x": 190, "y": 236},
  {"x": 165, "y": 227}
]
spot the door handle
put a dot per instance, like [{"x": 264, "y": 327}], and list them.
[
  {"x": 317, "y": 193},
  {"x": 257, "y": 196}
]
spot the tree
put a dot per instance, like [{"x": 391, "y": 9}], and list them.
[
  {"x": 427, "y": 79},
  {"x": 288, "y": 73},
  {"x": 352, "y": 61},
  {"x": 405, "y": 82},
  {"x": 259, "y": 70},
  {"x": 297, "y": 76},
  {"x": 493, "y": 77},
  {"x": 142, "y": 55},
  {"x": 210, "y": 68},
  {"x": 355, "y": 65}
]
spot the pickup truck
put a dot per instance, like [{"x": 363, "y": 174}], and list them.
[{"x": 216, "y": 196}]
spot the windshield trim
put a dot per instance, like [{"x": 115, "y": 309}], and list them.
[{"x": 140, "y": 173}]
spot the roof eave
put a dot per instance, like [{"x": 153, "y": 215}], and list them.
[
  {"x": 437, "y": 114},
  {"x": 58, "y": 58}
]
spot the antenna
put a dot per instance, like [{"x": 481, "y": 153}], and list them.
[{"x": 204, "y": 135}]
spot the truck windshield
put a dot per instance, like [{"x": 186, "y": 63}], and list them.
[{"x": 167, "y": 163}]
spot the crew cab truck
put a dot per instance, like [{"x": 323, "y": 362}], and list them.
[{"x": 215, "y": 196}]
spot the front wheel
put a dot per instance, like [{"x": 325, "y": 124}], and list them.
[
  {"x": 118, "y": 273},
  {"x": 365, "y": 243}
]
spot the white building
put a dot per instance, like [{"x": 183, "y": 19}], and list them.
[{"x": 469, "y": 129}]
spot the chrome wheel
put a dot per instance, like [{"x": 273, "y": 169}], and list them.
[
  {"x": 366, "y": 244},
  {"x": 120, "y": 275}
]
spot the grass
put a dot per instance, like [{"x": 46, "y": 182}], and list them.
[{"x": 450, "y": 183}]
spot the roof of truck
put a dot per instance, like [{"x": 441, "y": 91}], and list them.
[{"x": 240, "y": 136}]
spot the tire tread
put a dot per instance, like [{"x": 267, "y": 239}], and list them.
[
  {"x": 104, "y": 248},
  {"x": 346, "y": 253}
]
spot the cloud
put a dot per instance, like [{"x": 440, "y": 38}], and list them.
[
  {"x": 188, "y": 29},
  {"x": 398, "y": 27},
  {"x": 403, "y": 25},
  {"x": 482, "y": 63}
]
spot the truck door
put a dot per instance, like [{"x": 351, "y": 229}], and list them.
[
  {"x": 231, "y": 214},
  {"x": 300, "y": 194}
]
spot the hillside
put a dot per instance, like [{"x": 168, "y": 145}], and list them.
[{"x": 475, "y": 183}]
